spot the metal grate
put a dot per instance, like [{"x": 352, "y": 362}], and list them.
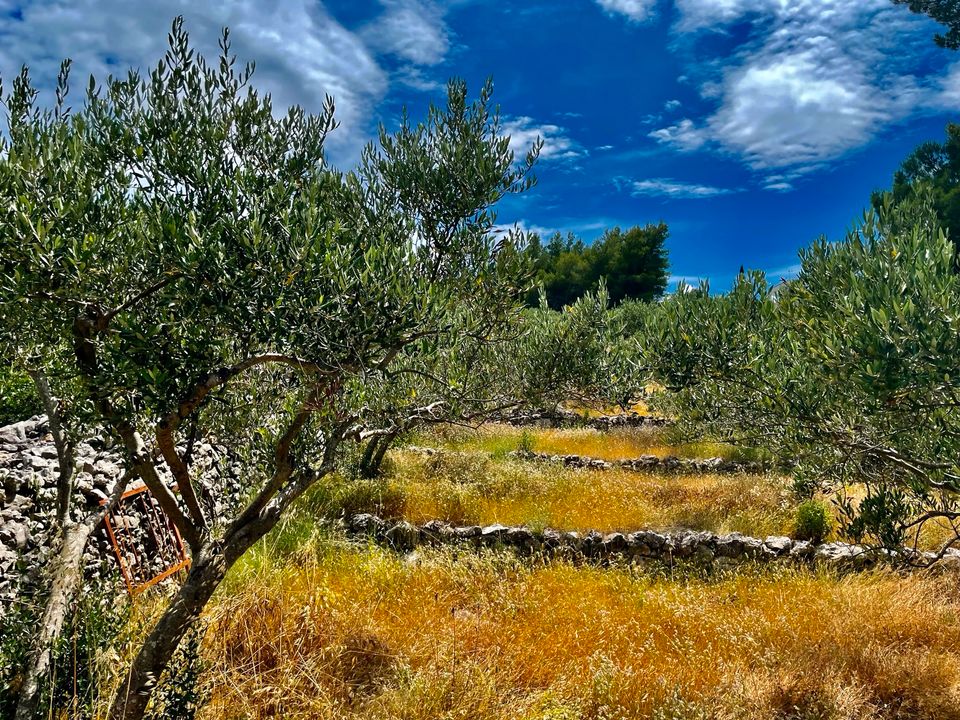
[{"x": 147, "y": 545}]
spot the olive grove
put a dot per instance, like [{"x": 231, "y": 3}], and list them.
[
  {"x": 850, "y": 372},
  {"x": 178, "y": 260}
]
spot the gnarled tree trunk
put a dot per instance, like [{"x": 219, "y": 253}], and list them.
[
  {"x": 66, "y": 579},
  {"x": 207, "y": 571}
]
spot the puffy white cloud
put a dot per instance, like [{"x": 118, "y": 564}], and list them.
[
  {"x": 949, "y": 95},
  {"x": 302, "y": 53},
  {"x": 634, "y": 10},
  {"x": 813, "y": 80},
  {"x": 685, "y": 135},
  {"x": 667, "y": 187},
  {"x": 412, "y": 30},
  {"x": 557, "y": 145}
]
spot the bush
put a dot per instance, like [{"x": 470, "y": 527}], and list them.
[
  {"x": 812, "y": 522},
  {"x": 78, "y": 658},
  {"x": 849, "y": 372},
  {"x": 18, "y": 397},
  {"x": 526, "y": 442}
]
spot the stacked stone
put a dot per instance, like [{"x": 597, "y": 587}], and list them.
[
  {"x": 566, "y": 418},
  {"x": 28, "y": 489},
  {"x": 643, "y": 546},
  {"x": 670, "y": 463}
]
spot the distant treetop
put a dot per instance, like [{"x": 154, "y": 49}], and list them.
[{"x": 633, "y": 262}]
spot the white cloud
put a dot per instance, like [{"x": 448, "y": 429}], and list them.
[
  {"x": 634, "y": 10},
  {"x": 412, "y": 30},
  {"x": 671, "y": 105},
  {"x": 685, "y": 135},
  {"x": 949, "y": 95},
  {"x": 814, "y": 80},
  {"x": 557, "y": 145},
  {"x": 526, "y": 228},
  {"x": 301, "y": 51},
  {"x": 667, "y": 187}
]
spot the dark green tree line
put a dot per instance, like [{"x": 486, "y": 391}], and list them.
[
  {"x": 633, "y": 263},
  {"x": 933, "y": 168}
]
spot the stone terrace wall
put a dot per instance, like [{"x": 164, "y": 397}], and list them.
[
  {"x": 669, "y": 463},
  {"x": 643, "y": 546},
  {"x": 569, "y": 418}
]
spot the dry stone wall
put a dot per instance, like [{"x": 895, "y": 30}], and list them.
[
  {"x": 648, "y": 463},
  {"x": 568, "y": 418},
  {"x": 643, "y": 546},
  {"x": 28, "y": 491}
]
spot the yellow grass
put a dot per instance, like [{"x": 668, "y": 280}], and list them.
[
  {"x": 473, "y": 489},
  {"x": 367, "y": 634},
  {"x": 619, "y": 444}
]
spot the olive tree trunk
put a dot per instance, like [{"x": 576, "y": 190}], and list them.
[
  {"x": 206, "y": 572},
  {"x": 66, "y": 579}
]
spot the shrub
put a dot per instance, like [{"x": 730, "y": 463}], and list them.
[
  {"x": 812, "y": 521},
  {"x": 525, "y": 443},
  {"x": 18, "y": 397},
  {"x": 181, "y": 691},
  {"x": 79, "y": 671},
  {"x": 850, "y": 371}
]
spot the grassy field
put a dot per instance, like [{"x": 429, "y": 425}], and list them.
[
  {"x": 309, "y": 625},
  {"x": 363, "y": 633},
  {"x": 477, "y": 489},
  {"x": 618, "y": 444}
]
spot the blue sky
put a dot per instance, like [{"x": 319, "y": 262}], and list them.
[{"x": 750, "y": 126}]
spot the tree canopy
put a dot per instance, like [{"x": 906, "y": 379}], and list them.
[
  {"x": 177, "y": 259},
  {"x": 633, "y": 263},
  {"x": 850, "y": 373},
  {"x": 934, "y": 168},
  {"x": 945, "y": 12}
]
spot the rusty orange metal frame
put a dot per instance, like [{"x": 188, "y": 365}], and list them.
[{"x": 156, "y": 521}]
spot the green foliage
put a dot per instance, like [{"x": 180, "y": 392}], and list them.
[
  {"x": 217, "y": 241},
  {"x": 580, "y": 353},
  {"x": 16, "y": 630},
  {"x": 851, "y": 371},
  {"x": 933, "y": 169},
  {"x": 180, "y": 262},
  {"x": 812, "y": 521},
  {"x": 79, "y": 669},
  {"x": 945, "y": 12},
  {"x": 525, "y": 444},
  {"x": 633, "y": 263},
  {"x": 18, "y": 396}
]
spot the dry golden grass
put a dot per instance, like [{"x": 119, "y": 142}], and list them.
[
  {"x": 367, "y": 634},
  {"x": 618, "y": 444},
  {"x": 475, "y": 489},
  {"x": 639, "y": 407}
]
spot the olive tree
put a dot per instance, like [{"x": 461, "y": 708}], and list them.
[
  {"x": 581, "y": 353},
  {"x": 181, "y": 260},
  {"x": 851, "y": 372},
  {"x": 435, "y": 381}
]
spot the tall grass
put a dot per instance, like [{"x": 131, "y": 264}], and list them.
[
  {"x": 470, "y": 488},
  {"x": 617, "y": 444},
  {"x": 367, "y": 634}
]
